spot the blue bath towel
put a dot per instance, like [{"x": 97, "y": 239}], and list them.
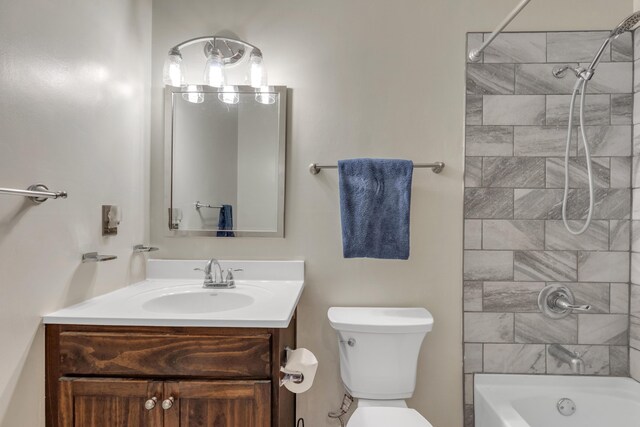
[
  {"x": 225, "y": 221},
  {"x": 375, "y": 199}
]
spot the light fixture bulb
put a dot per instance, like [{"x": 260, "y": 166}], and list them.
[
  {"x": 258, "y": 71},
  {"x": 264, "y": 96},
  {"x": 214, "y": 74},
  {"x": 193, "y": 95},
  {"x": 174, "y": 70},
  {"x": 229, "y": 95}
]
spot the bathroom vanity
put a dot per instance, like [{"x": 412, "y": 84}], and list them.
[{"x": 141, "y": 356}]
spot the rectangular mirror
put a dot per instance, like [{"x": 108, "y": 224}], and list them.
[{"x": 225, "y": 161}]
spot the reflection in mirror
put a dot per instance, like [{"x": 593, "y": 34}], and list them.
[{"x": 225, "y": 156}]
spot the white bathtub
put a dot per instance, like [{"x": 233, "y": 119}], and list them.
[{"x": 530, "y": 401}]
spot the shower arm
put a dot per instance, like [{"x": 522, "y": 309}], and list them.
[{"x": 474, "y": 55}]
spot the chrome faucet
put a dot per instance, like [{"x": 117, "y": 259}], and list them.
[
  {"x": 217, "y": 279},
  {"x": 573, "y": 359}
]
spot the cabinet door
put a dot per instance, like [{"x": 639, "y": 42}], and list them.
[
  {"x": 99, "y": 402},
  {"x": 218, "y": 404}
]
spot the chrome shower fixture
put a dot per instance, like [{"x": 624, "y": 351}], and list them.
[{"x": 219, "y": 52}]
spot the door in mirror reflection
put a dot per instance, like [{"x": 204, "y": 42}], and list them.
[{"x": 227, "y": 161}]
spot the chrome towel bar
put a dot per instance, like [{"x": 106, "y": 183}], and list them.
[
  {"x": 37, "y": 193},
  {"x": 314, "y": 168}
]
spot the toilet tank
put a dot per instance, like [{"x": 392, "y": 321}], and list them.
[{"x": 379, "y": 349}]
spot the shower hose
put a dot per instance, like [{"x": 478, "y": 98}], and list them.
[{"x": 581, "y": 86}]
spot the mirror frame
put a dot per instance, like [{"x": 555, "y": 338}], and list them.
[{"x": 169, "y": 92}]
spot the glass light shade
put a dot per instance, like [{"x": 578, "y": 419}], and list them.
[
  {"x": 192, "y": 95},
  {"x": 229, "y": 95},
  {"x": 264, "y": 96},
  {"x": 214, "y": 74},
  {"x": 258, "y": 71},
  {"x": 173, "y": 71}
]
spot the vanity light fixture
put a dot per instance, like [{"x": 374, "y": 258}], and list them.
[{"x": 220, "y": 53}]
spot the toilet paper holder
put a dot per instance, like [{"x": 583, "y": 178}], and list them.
[{"x": 289, "y": 376}]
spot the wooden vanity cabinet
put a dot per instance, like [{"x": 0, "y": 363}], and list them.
[{"x": 121, "y": 376}]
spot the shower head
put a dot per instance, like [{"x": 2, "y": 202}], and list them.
[{"x": 627, "y": 25}]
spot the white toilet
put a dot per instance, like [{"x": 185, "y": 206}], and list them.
[{"x": 379, "y": 350}]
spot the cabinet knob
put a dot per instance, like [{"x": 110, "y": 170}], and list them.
[
  {"x": 167, "y": 403},
  {"x": 151, "y": 403}
]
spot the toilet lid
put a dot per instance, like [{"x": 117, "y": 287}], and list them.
[{"x": 387, "y": 417}]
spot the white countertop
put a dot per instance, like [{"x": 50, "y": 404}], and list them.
[{"x": 266, "y": 296}]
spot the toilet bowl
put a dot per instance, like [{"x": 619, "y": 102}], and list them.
[{"x": 379, "y": 350}]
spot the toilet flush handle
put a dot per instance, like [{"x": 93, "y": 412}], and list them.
[{"x": 351, "y": 342}]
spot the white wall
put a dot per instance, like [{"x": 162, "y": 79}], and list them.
[
  {"x": 73, "y": 115},
  {"x": 368, "y": 78}
]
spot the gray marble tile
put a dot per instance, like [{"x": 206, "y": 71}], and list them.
[
  {"x": 513, "y": 172},
  {"x": 614, "y": 77},
  {"x": 514, "y": 358},
  {"x": 622, "y": 109},
  {"x": 538, "y": 328},
  {"x": 489, "y": 140},
  {"x": 576, "y": 46},
  {"x": 636, "y": 108},
  {"x": 595, "y": 238},
  {"x": 545, "y": 265},
  {"x": 490, "y": 203},
  {"x": 619, "y": 361},
  {"x": 517, "y": 47},
  {"x": 511, "y": 296},
  {"x": 635, "y": 207},
  {"x": 619, "y": 235},
  {"x": 622, "y": 48},
  {"x": 514, "y": 110},
  {"x": 597, "y": 110},
  {"x": 469, "y": 419},
  {"x": 595, "y": 357},
  {"x": 595, "y": 294},
  {"x": 635, "y": 235},
  {"x": 472, "y": 358},
  {"x": 472, "y": 296},
  {"x": 634, "y": 300},
  {"x": 634, "y": 364},
  {"x": 603, "y": 266},
  {"x": 474, "y": 110},
  {"x": 542, "y": 141},
  {"x": 538, "y": 204},
  {"x": 473, "y": 172},
  {"x": 488, "y": 327},
  {"x": 608, "y": 141},
  {"x": 636, "y": 132},
  {"x": 635, "y": 268},
  {"x": 619, "y": 298},
  {"x": 534, "y": 79},
  {"x": 488, "y": 265},
  {"x": 636, "y": 44},
  {"x": 636, "y": 76},
  {"x": 490, "y": 79},
  {"x": 472, "y": 234},
  {"x": 620, "y": 172},
  {"x": 474, "y": 41},
  {"x": 635, "y": 171},
  {"x": 634, "y": 332},
  {"x": 609, "y": 203},
  {"x": 578, "y": 177},
  {"x": 468, "y": 388},
  {"x": 512, "y": 234},
  {"x": 610, "y": 329}
]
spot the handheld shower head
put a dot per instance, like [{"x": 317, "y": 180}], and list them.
[{"x": 627, "y": 25}]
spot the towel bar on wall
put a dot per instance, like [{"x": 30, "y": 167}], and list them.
[
  {"x": 314, "y": 168},
  {"x": 37, "y": 193}
]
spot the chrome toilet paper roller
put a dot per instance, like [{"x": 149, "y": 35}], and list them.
[{"x": 299, "y": 370}]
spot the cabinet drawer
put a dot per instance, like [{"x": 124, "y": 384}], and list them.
[{"x": 168, "y": 355}]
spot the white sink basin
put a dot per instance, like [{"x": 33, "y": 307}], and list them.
[{"x": 266, "y": 297}]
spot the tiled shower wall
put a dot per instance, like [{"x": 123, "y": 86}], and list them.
[
  {"x": 514, "y": 239},
  {"x": 634, "y": 336}
]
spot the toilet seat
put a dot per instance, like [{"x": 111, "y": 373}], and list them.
[{"x": 387, "y": 417}]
